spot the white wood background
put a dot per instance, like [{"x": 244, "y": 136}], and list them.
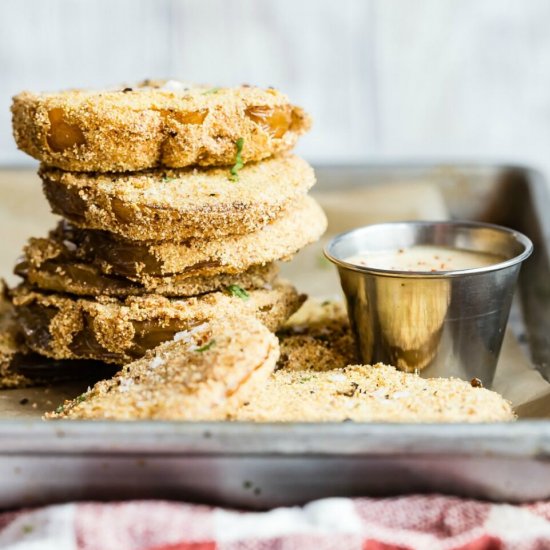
[{"x": 383, "y": 78}]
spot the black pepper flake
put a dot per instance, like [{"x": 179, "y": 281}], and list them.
[
  {"x": 23, "y": 401},
  {"x": 127, "y": 90},
  {"x": 351, "y": 391}
]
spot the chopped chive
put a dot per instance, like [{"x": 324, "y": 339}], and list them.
[
  {"x": 81, "y": 398},
  {"x": 206, "y": 346},
  {"x": 238, "y": 292},
  {"x": 238, "y": 161},
  {"x": 211, "y": 91}
]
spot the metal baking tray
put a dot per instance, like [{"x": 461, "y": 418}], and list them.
[{"x": 266, "y": 465}]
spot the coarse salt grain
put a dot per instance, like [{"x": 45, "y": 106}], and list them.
[
  {"x": 186, "y": 335},
  {"x": 69, "y": 245},
  {"x": 400, "y": 394},
  {"x": 380, "y": 393},
  {"x": 175, "y": 86},
  {"x": 125, "y": 385},
  {"x": 156, "y": 362}
]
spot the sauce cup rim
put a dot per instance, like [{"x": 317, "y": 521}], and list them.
[{"x": 512, "y": 233}]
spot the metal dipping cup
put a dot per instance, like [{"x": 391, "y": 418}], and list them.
[{"x": 438, "y": 324}]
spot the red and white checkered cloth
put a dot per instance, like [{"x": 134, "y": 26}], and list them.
[{"x": 403, "y": 523}]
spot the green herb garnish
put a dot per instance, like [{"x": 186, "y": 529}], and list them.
[
  {"x": 239, "y": 292},
  {"x": 238, "y": 161},
  {"x": 206, "y": 346},
  {"x": 60, "y": 409},
  {"x": 28, "y": 528},
  {"x": 166, "y": 179},
  {"x": 211, "y": 91}
]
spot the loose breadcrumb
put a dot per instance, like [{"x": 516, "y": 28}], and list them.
[{"x": 318, "y": 337}]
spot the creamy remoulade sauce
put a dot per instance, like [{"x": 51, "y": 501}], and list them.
[{"x": 425, "y": 258}]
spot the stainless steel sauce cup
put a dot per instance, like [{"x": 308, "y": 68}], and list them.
[{"x": 447, "y": 323}]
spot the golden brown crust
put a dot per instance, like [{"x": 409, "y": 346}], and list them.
[
  {"x": 313, "y": 382},
  {"x": 176, "y": 205},
  {"x": 200, "y": 376},
  {"x": 365, "y": 393},
  {"x": 21, "y": 368},
  {"x": 54, "y": 264},
  {"x": 167, "y": 265},
  {"x": 299, "y": 225},
  {"x": 113, "y": 130},
  {"x": 298, "y": 391},
  {"x": 118, "y": 331}
]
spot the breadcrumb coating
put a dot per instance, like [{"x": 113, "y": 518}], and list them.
[
  {"x": 365, "y": 393},
  {"x": 176, "y": 205},
  {"x": 55, "y": 264},
  {"x": 155, "y": 124},
  {"x": 317, "y": 380},
  {"x": 303, "y": 223},
  {"x": 152, "y": 265},
  {"x": 202, "y": 374},
  {"x": 158, "y": 387},
  {"x": 121, "y": 330},
  {"x": 21, "y": 368}
]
